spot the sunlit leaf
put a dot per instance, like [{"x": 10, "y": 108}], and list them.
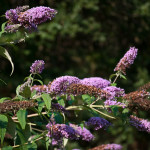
[{"x": 4, "y": 53}]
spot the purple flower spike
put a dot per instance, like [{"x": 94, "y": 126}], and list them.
[
  {"x": 96, "y": 82},
  {"x": 83, "y": 133},
  {"x": 36, "y": 15},
  {"x": 127, "y": 60},
  {"x": 97, "y": 123},
  {"x": 59, "y": 85},
  {"x": 140, "y": 124},
  {"x": 113, "y": 92},
  {"x": 37, "y": 67}
]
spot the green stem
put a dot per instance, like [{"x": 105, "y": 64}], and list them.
[{"x": 102, "y": 113}]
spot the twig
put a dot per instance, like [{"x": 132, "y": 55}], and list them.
[
  {"x": 103, "y": 113},
  {"x": 32, "y": 115}
]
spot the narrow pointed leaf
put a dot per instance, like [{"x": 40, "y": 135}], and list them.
[{"x": 4, "y": 53}]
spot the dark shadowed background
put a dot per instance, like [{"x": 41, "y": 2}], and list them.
[{"x": 86, "y": 38}]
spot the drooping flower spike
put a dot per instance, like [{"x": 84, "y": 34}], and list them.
[
  {"x": 127, "y": 60},
  {"x": 37, "y": 67}
]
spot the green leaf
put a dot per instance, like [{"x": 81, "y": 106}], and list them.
[
  {"x": 4, "y": 98},
  {"x": 122, "y": 76},
  {"x": 113, "y": 84},
  {"x": 40, "y": 106},
  {"x": 26, "y": 92},
  {"x": 87, "y": 99},
  {"x": 3, "y": 28},
  {"x": 61, "y": 102},
  {"x": 111, "y": 76},
  {"x": 125, "y": 111},
  {"x": 39, "y": 81},
  {"x": 7, "y": 148},
  {"x": 114, "y": 109},
  {"x": 32, "y": 146},
  {"x": 11, "y": 127},
  {"x": 3, "y": 126},
  {"x": 22, "y": 115},
  {"x": 47, "y": 99},
  {"x": 4, "y": 53},
  {"x": 47, "y": 142}
]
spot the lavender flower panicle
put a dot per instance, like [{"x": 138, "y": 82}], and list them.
[
  {"x": 28, "y": 18},
  {"x": 98, "y": 123},
  {"x": 37, "y": 67},
  {"x": 140, "y": 124},
  {"x": 36, "y": 15},
  {"x": 127, "y": 60},
  {"x": 108, "y": 147},
  {"x": 114, "y": 92},
  {"x": 60, "y": 84},
  {"x": 82, "y": 133},
  {"x": 96, "y": 82}
]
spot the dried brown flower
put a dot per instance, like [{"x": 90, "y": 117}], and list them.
[
  {"x": 144, "y": 87},
  {"x": 139, "y": 104},
  {"x": 11, "y": 106},
  {"x": 79, "y": 89},
  {"x": 136, "y": 95}
]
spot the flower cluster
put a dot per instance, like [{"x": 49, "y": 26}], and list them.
[
  {"x": 108, "y": 147},
  {"x": 140, "y": 124},
  {"x": 37, "y": 67},
  {"x": 98, "y": 123},
  {"x": 127, "y": 60},
  {"x": 59, "y": 85},
  {"x": 73, "y": 132},
  {"x": 28, "y": 18},
  {"x": 96, "y": 82}
]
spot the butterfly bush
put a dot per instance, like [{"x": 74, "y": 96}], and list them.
[{"x": 59, "y": 105}]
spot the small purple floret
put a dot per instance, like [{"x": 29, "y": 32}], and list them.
[
  {"x": 37, "y": 67},
  {"x": 96, "y": 82},
  {"x": 98, "y": 123}
]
